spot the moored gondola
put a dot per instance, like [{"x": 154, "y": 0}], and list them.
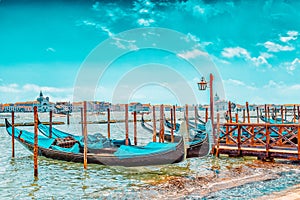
[
  {"x": 198, "y": 146},
  {"x": 129, "y": 156}
]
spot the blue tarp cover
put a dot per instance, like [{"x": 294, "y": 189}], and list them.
[
  {"x": 75, "y": 149},
  {"x": 151, "y": 148},
  {"x": 29, "y": 138}
]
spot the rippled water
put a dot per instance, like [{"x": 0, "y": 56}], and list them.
[{"x": 63, "y": 180}]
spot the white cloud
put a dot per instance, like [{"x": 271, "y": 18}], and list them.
[
  {"x": 292, "y": 35},
  {"x": 243, "y": 53},
  {"x": 36, "y": 88},
  {"x": 50, "y": 49},
  {"x": 11, "y": 88},
  {"x": 235, "y": 82},
  {"x": 25, "y": 92},
  {"x": 192, "y": 54},
  {"x": 190, "y": 37},
  {"x": 105, "y": 29},
  {"x": 125, "y": 44},
  {"x": 273, "y": 84},
  {"x": 145, "y": 22},
  {"x": 292, "y": 66},
  {"x": 260, "y": 60},
  {"x": 266, "y": 55},
  {"x": 235, "y": 52},
  {"x": 197, "y": 10},
  {"x": 273, "y": 47}
]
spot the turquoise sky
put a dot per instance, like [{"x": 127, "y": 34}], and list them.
[{"x": 253, "y": 44}]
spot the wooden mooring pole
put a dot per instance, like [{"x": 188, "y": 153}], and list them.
[
  {"x": 35, "y": 146},
  {"x": 82, "y": 126},
  {"x": 257, "y": 114},
  {"x": 13, "y": 134},
  {"x": 174, "y": 117},
  {"x": 50, "y": 124},
  {"x": 196, "y": 121},
  {"x": 206, "y": 115},
  {"x": 285, "y": 113},
  {"x": 85, "y": 136},
  {"x": 281, "y": 112},
  {"x": 211, "y": 106},
  {"x": 248, "y": 114},
  {"x": 298, "y": 115},
  {"x": 154, "y": 124},
  {"x": 229, "y": 111},
  {"x": 187, "y": 119},
  {"x": 294, "y": 110},
  {"x": 68, "y": 118},
  {"x": 162, "y": 125},
  {"x": 126, "y": 125},
  {"x": 134, "y": 128},
  {"x": 266, "y": 114},
  {"x": 172, "y": 129},
  {"x": 108, "y": 123},
  {"x": 298, "y": 143},
  {"x": 218, "y": 134}
]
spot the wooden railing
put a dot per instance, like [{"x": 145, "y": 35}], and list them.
[{"x": 259, "y": 135}]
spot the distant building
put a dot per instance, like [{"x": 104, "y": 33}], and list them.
[
  {"x": 135, "y": 107},
  {"x": 26, "y": 106},
  {"x": 220, "y": 105},
  {"x": 76, "y": 106},
  {"x": 118, "y": 107},
  {"x": 44, "y": 103},
  {"x": 63, "y": 107},
  {"x": 8, "y": 107},
  {"x": 139, "y": 108}
]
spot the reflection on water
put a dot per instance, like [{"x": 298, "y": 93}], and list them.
[{"x": 191, "y": 179}]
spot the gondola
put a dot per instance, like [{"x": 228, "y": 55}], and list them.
[
  {"x": 197, "y": 146},
  {"x": 95, "y": 141},
  {"x": 128, "y": 156},
  {"x": 170, "y": 125}
]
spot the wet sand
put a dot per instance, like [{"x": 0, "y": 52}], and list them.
[{"x": 230, "y": 177}]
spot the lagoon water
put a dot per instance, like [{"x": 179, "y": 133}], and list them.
[
  {"x": 43, "y": 45},
  {"x": 66, "y": 180}
]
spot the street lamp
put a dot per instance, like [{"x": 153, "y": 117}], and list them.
[{"x": 202, "y": 85}]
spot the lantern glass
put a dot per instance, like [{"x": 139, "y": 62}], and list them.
[{"x": 202, "y": 85}]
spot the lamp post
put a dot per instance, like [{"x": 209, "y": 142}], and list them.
[{"x": 202, "y": 85}]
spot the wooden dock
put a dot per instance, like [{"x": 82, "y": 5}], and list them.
[{"x": 263, "y": 140}]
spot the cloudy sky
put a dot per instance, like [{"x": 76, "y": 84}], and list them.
[{"x": 254, "y": 46}]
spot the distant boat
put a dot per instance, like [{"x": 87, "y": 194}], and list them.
[
  {"x": 128, "y": 156},
  {"x": 274, "y": 121},
  {"x": 198, "y": 145}
]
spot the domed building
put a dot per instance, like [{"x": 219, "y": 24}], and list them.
[{"x": 44, "y": 103}]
